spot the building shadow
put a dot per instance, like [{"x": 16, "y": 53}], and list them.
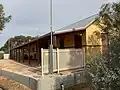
[{"x": 91, "y": 51}]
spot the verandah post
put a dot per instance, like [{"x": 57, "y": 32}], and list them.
[
  {"x": 16, "y": 54},
  {"x": 29, "y": 53},
  {"x": 13, "y": 54},
  {"x": 22, "y": 54},
  {"x": 38, "y": 52},
  {"x": 84, "y": 62},
  {"x": 58, "y": 70},
  {"x": 42, "y": 65},
  {"x": 19, "y": 55}
]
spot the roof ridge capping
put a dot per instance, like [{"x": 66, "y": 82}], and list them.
[{"x": 83, "y": 23}]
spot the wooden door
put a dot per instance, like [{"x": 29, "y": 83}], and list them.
[{"x": 78, "y": 41}]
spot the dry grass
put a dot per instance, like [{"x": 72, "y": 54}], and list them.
[{"x": 11, "y": 84}]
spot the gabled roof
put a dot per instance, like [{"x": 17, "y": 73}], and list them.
[{"x": 82, "y": 24}]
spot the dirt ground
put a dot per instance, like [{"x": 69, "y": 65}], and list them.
[{"x": 11, "y": 84}]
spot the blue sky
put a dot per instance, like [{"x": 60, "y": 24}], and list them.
[{"x": 31, "y": 17}]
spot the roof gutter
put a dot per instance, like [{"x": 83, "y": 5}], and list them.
[{"x": 68, "y": 30}]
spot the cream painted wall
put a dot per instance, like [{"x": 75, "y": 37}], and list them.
[
  {"x": 93, "y": 41},
  {"x": 84, "y": 38}
]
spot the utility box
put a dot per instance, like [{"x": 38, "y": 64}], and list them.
[{"x": 6, "y": 56}]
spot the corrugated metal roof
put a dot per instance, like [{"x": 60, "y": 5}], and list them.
[{"x": 80, "y": 24}]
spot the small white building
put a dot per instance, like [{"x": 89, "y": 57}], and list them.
[{"x": 6, "y": 56}]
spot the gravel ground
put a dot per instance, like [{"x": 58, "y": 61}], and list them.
[{"x": 11, "y": 84}]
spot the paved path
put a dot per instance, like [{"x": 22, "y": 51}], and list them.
[
  {"x": 12, "y": 66},
  {"x": 19, "y": 72}
]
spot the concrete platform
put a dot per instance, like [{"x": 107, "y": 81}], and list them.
[
  {"x": 12, "y": 66},
  {"x": 23, "y": 74},
  {"x": 11, "y": 84},
  {"x": 31, "y": 76}
]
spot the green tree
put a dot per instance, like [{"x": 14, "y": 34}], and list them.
[
  {"x": 109, "y": 20},
  {"x": 3, "y": 19},
  {"x": 16, "y": 41},
  {"x": 104, "y": 70}
]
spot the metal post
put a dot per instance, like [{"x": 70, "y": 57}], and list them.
[
  {"x": 51, "y": 45},
  {"x": 51, "y": 20},
  {"x": 62, "y": 87}
]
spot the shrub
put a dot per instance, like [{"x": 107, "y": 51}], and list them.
[{"x": 1, "y": 56}]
